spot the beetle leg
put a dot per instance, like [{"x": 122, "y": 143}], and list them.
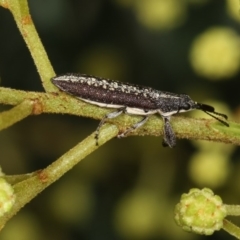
[{"x": 169, "y": 138}]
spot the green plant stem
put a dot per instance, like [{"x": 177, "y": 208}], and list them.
[
  {"x": 189, "y": 128},
  {"x": 233, "y": 210},
  {"x": 22, "y": 17},
  {"x": 27, "y": 189},
  {"x": 231, "y": 228},
  {"x": 21, "y": 111}
]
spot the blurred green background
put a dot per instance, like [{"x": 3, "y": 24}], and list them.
[{"x": 126, "y": 190}]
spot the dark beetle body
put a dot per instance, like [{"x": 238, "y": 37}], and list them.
[
  {"x": 109, "y": 92},
  {"x": 131, "y": 99}
]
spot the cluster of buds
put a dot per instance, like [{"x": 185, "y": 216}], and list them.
[{"x": 200, "y": 211}]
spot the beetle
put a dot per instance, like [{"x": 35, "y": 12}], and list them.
[{"x": 132, "y": 99}]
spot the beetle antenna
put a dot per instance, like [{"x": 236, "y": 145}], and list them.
[
  {"x": 211, "y": 112},
  {"x": 220, "y": 120}
]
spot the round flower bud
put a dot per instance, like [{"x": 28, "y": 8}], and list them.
[
  {"x": 200, "y": 211},
  {"x": 7, "y": 196}
]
